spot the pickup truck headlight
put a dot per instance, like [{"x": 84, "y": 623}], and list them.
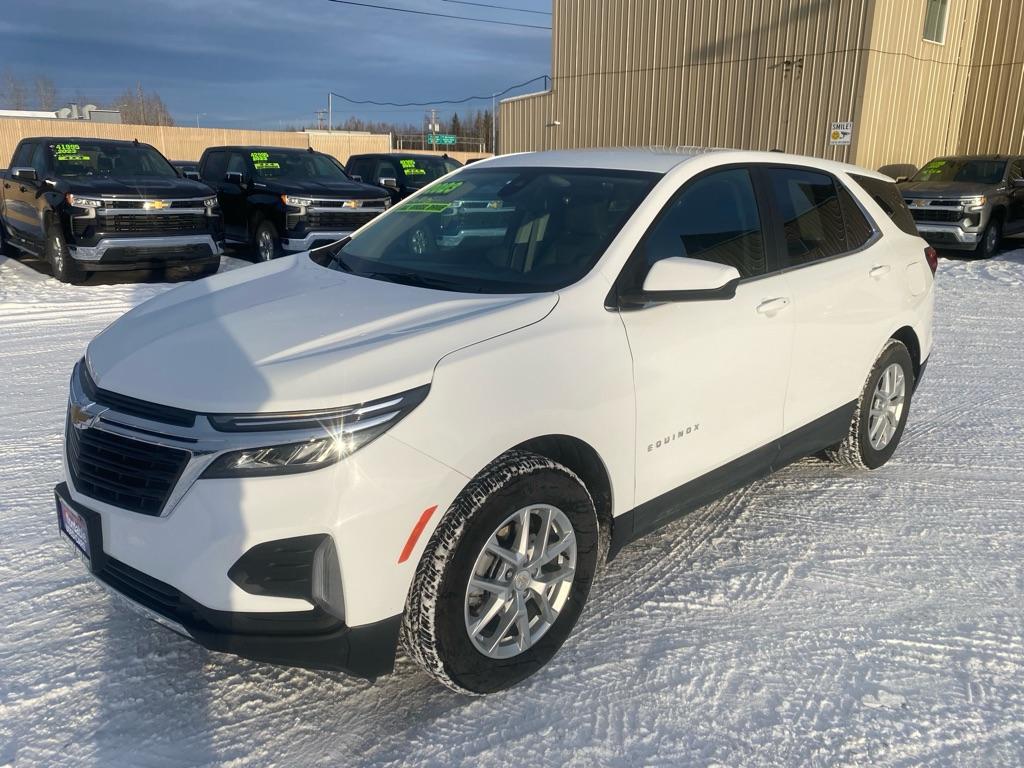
[
  {"x": 297, "y": 202},
  {"x": 327, "y": 436},
  {"x": 211, "y": 205},
  {"x": 973, "y": 202},
  {"x": 84, "y": 202}
]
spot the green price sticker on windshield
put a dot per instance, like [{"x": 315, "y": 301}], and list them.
[
  {"x": 68, "y": 152},
  {"x": 445, "y": 188},
  {"x": 409, "y": 168},
  {"x": 259, "y": 157},
  {"x": 425, "y": 207},
  {"x": 261, "y": 166}
]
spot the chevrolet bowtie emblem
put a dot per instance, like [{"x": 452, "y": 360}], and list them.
[
  {"x": 156, "y": 205},
  {"x": 82, "y": 418},
  {"x": 352, "y": 204}
]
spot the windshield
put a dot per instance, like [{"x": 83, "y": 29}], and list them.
[
  {"x": 952, "y": 169},
  {"x": 74, "y": 159},
  {"x": 502, "y": 230},
  {"x": 271, "y": 164},
  {"x": 422, "y": 170}
]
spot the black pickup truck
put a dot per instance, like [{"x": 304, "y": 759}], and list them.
[
  {"x": 88, "y": 205},
  {"x": 279, "y": 200}
]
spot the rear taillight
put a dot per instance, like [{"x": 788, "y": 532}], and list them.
[{"x": 932, "y": 258}]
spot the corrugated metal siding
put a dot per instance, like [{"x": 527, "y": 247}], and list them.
[
  {"x": 711, "y": 73},
  {"x": 993, "y": 119},
  {"x": 698, "y": 72},
  {"x": 178, "y": 143},
  {"x": 914, "y": 90}
]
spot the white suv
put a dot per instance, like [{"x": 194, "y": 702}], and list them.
[{"x": 433, "y": 434}]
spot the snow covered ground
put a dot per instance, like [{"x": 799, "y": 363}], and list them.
[{"x": 821, "y": 617}]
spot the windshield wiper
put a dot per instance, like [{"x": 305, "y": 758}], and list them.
[{"x": 417, "y": 280}]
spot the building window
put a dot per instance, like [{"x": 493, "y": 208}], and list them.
[{"x": 935, "y": 15}]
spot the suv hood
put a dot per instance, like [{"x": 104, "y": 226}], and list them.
[
  {"x": 292, "y": 335},
  {"x": 141, "y": 186},
  {"x": 944, "y": 190},
  {"x": 352, "y": 189}
]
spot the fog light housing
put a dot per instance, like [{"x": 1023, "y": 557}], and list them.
[{"x": 327, "y": 592}]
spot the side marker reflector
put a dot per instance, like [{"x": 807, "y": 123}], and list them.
[{"x": 417, "y": 531}]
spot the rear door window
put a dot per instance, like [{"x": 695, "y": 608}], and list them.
[
  {"x": 812, "y": 217},
  {"x": 889, "y": 199}
]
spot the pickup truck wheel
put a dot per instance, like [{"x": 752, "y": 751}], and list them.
[
  {"x": 266, "y": 242},
  {"x": 505, "y": 575},
  {"x": 881, "y": 414},
  {"x": 991, "y": 240},
  {"x": 62, "y": 265}
]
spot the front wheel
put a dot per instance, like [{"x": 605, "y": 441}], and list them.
[
  {"x": 62, "y": 265},
  {"x": 268, "y": 244},
  {"x": 990, "y": 241},
  {"x": 504, "y": 577},
  {"x": 881, "y": 414}
]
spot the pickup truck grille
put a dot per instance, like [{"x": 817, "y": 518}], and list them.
[
  {"x": 923, "y": 214},
  {"x": 341, "y": 220},
  {"x": 127, "y": 473},
  {"x": 163, "y": 223}
]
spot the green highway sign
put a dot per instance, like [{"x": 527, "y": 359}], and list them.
[{"x": 440, "y": 138}]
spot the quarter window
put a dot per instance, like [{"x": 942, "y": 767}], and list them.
[
  {"x": 713, "y": 219},
  {"x": 858, "y": 229},
  {"x": 889, "y": 199},
  {"x": 812, "y": 217},
  {"x": 935, "y": 15}
]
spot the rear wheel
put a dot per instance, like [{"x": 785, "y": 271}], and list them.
[
  {"x": 64, "y": 267},
  {"x": 505, "y": 575},
  {"x": 266, "y": 242},
  {"x": 991, "y": 240},
  {"x": 881, "y": 414}
]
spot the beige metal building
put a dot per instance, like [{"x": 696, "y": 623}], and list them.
[{"x": 917, "y": 78}]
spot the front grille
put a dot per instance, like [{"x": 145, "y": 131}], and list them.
[
  {"x": 148, "y": 223},
  {"x": 131, "y": 406},
  {"x": 345, "y": 221},
  {"x": 141, "y": 204},
  {"x": 143, "y": 589},
  {"x": 127, "y": 473},
  {"x": 923, "y": 214}
]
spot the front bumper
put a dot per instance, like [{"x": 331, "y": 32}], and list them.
[
  {"x": 146, "y": 252},
  {"x": 313, "y": 239},
  {"x": 310, "y": 639},
  {"x": 949, "y": 236}
]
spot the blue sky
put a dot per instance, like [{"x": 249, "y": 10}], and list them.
[{"x": 270, "y": 63}]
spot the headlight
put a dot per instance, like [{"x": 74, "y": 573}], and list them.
[
  {"x": 84, "y": 202},
  {"x": 387, "y": 203},
  {"x": 211, "y": 206},
  {"x": 973, "y": 202},
  {"x": 327, "y": 436},
  {"x": 298, "y": 202}
]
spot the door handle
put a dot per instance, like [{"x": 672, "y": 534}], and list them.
[
  {"x": 880, "y": 270},
  {"x": 771, "y": 306}
]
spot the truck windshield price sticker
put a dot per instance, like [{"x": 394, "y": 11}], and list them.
[
  {"x": 68, "y": 152},
  {"x": 425, "y": 207},
  {"x": 262, "y": 162},
  {"x": 446, "y": 188},
  {"x": 410, "y": 169},
  {"x": 934, "y": 167}
]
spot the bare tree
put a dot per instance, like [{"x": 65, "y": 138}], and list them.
[
  {"x": 46, "y": 93},
  {"x": 13, "y": 93},
  {"x": 141, "y": 108}
]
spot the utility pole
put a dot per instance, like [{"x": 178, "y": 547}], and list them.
[
  {"x": 434, "y": 127},
  {"x": 320, "y": 118},
  {"x": 198, "y": 115},
  {"x": 330, "y": 111}
]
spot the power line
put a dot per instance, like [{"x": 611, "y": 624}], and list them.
[
  {"x": 438, "y": 101},
  {"x": 440, "y": 15},
  {"x": 499, "y": 7}
]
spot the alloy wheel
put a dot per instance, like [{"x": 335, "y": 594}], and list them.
[
  {"x": 265, "y": 246},
  {"x": 887, "y": 405},
  {"x": 520, "y": 581}
]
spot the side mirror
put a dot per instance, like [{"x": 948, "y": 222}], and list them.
[
  {"x": 901, "y": 179},
  {"x": 1018, "y": 183},
  {"x": 194, "y": 175},
  {"x": 24, "y": 174},
  {"x": 356, "y": 177},
  {"x": 683, "y": 279},
  {"x": 389, "y": 182},
  {"x": 234, "y": 177}
]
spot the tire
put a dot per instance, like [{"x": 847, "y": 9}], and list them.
[
  {"x": 266, "y": 243},
  {"x": 991, "y": 240},
  {"x": 863, "y": 448},
  {"x": 62, "y": 265},
  {"x": 439, "y": 610}
]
